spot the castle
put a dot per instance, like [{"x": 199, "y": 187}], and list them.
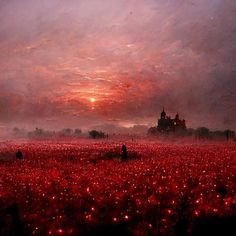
[{"x": 166, "y": 124}]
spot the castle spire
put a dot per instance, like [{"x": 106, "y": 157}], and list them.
[{"x": 163, "y": 114}]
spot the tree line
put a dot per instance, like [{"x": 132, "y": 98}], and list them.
[
  {"x": 66, "y": 132},
  {"x": 199, "y": 133}
]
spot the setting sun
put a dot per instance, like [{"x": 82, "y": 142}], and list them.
[{"x": 92, "y": 100}]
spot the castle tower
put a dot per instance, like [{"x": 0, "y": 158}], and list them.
[{"x": 163, "y": 114}]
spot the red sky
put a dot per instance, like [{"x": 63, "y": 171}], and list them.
[{"x": 130, "y": 57}]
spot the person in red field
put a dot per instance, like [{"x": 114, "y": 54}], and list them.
[
  {"x": 124, "y": 152},
  {"x": 19, "y": 155}
]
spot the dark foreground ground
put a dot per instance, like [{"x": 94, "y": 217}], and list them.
[{"x": 83, "y": 188}]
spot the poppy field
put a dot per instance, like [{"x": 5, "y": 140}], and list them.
[{"x": 83, "y": 188}]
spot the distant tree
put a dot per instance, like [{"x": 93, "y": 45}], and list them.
[
  {"x": 218, "y": 135},
  {"x": 202, "y": 132},
  {"x": 190, "y": 131},
  {"x": 41, "y": 133},
  {"x": 229, "y": 134},
  {"x": 96, "y": 134},
  {"x": 17, "y": 132},
  {"x": 67, "y": 132},
  {"x": 78, "y": 132}
]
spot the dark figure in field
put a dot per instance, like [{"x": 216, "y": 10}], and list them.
[
  {"x": 19, "y": 155},
  {"x": 124, "y": 152}
]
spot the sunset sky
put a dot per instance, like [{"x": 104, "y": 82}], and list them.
[{"x": 80, "y": 63}]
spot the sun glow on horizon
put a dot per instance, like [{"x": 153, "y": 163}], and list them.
[{"x": 92, "y": 100}]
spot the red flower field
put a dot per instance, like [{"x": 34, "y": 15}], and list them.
[{"x": 83, "y": 188}]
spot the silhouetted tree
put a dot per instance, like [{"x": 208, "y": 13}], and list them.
[
  {"x": 190, "y": 131},
  {"x": 38, "y": 131},
  {"x": 17, "y": 132},
  {"x": 41, "y": 133},
  {"x": 96, "y": 134},
  {"x": 217, "y": 135},
  {"x": 229, "y": 134},
  {"x": 67, "y": 132},
  {"x": 202, "y": 132},
  {"x": 78, "y": 132}
]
